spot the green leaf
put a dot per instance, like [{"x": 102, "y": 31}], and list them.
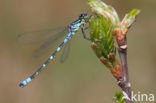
[
  {"x": 130, "y": 18},
  {"x": 102, "y": 35},
  {"x": 105, "y": 10},
  {"x": 102, "y": 27},
  {"x": 119, "y": 98},
  {"x": 133, "y": 13}
]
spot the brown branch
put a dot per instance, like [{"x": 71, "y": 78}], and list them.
[{"x": 124, "y": 82}]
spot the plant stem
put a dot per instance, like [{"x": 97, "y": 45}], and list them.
[
  {"x": 124, "y": 83},
  {"x": 126, "y": 86}
]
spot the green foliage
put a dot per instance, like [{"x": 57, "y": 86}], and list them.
[
  {"x": 133, "y": 13},
  {"x": 105, "y": 10},
  {"x": 102, "y": 35},
  {"x": 102, "y": 25},
  {"x": 119, "y": 98},
  {"x": 130, "y": 18},
  {"x": 105, "y": 26}
]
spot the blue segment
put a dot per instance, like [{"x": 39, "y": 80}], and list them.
[
  {"x": 58, "y": 49},
  {"x": 76, "y": 26},
  {"x": 65, "y": 40},
  {"x": 36, "y": 73},
  {"x": 43, "y": 65},
  {"x": 28, "y": 80},
  {"x": 69, "y": 35},
  {"x": 51, "y": 57},
  {"x": 24, "y": 83}
]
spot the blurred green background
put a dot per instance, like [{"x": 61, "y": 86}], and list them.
[{"x": 82, "y": 78}]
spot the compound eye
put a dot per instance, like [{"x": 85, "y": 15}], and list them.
[{"x": 80, "y": 15}]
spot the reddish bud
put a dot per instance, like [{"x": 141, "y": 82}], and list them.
[
  {"x": 105, "y": 62},
  {"x": 111, "y": 57},
  {"x": 117, "y": 71}
]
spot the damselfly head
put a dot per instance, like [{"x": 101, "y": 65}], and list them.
[{"x": 83, "y": 16}]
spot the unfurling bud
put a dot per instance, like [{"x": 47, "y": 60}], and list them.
[{"x": 117, "y": 71}]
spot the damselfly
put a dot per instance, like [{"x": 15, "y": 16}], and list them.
[{"x": 72, "y": 29}]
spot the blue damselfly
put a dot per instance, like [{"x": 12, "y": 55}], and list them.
[{"x": 72, "y": 29}]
